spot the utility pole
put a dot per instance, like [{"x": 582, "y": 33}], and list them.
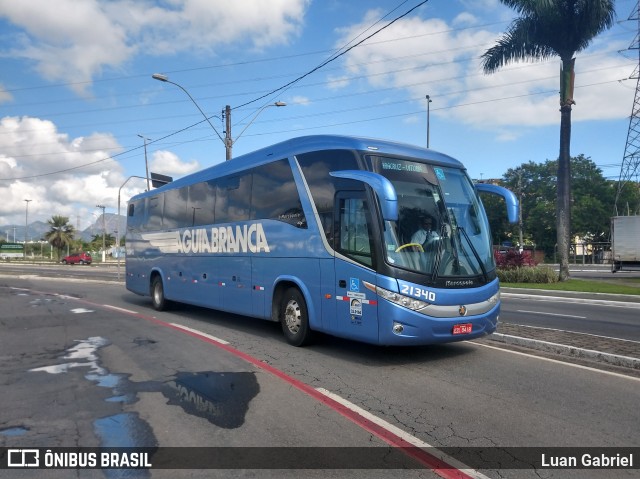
[
  {"x": 520, "y": 205},
  {"x": 104, "y": 229},
  {"x": 428, "y": 117},
  {"x": 228, "y": 141},
  {"x": 26, "y": 228},
  {"x": 146, "y": 162}
]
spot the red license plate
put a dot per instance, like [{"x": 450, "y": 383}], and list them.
[{"x": 462, "y": 328}]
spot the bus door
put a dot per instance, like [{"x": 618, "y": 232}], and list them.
[{"x": 356, "y": 306}]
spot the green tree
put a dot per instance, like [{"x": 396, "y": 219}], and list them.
[
  {"x": 545, "y": 29},
  {"x": 591, "y": 203},
  {"x": 96, "y": 241},
  {"x": 60, "y": 234}
]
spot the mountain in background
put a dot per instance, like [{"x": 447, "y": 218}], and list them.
[{"x": 37, "y": 229}]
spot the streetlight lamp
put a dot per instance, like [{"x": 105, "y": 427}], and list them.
[
  {"x": 26, "y": 227},
  {"x": 428, "y": 119},
  {"x": 165, "y": 78},
  {"x": 104, "y": 229},
  {"x": 227, "y": 140},
  {"x": 146, "y": 163}
]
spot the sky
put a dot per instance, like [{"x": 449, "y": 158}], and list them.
[{"x": 78, "y": 101}]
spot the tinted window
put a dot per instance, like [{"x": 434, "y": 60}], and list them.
[
  {"x": 201, "y": 203},
  {"x": 275, "y": 195},
  {"x": 155, "y": 205},
  {"x": 175, "y": 209},
  {"x": 135, "y": 214},
  {"x": 233, "y": 198},
  {"x": 315, "y": 168}
]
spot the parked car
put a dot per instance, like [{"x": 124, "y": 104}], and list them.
[{"x": 82, "y": 258}]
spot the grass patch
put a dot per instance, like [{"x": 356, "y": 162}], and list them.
[{"x": 581, "y": 285}]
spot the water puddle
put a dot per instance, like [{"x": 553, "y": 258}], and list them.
[
  {"x": 220, "y": 398},
  {"x": 14, "y": 431}
]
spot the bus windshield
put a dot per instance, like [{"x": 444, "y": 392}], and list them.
[{"x": 442, "y": 230}]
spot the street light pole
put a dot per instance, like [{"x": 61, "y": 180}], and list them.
[
  {"x": 228, "y": 141},
  {"x": 146, "y": 163},
  {"x": 26, "y": 227},
  {"x": 428, "y": 117},
  {"x": 165, "y": 78},
  {"x": 104, "y": 229}
]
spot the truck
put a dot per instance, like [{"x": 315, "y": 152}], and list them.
[{"x": 625, "y": 243}]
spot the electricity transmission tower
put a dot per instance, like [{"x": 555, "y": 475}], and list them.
[{"x": 631, "y": 159}]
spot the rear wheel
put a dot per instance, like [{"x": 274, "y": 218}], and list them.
[
  {"x": 294, "y": 318},
  {"x": 159, "y": 302}
]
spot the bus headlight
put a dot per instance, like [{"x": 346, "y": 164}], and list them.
[
  {"x": 495, "y": 299},
  {"x": 401, "y": 300}
]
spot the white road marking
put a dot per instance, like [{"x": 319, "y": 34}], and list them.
[
  {"x": 200, "y": 333},
  {"x": 120, "y": 309},
  {"x": 551, "y": 314},
  {"x": 579, "y": 366},
  {"x": 414, "y": 441}
]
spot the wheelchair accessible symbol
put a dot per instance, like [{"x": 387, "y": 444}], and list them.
[{"x": 354, "y": 284}]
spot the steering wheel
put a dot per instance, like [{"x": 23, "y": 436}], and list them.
[{"x": 407, "y": 245}]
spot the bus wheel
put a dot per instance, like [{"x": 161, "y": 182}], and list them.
[
  {"x": 158, "y": 300},
  {"x": 294, "y": 318}
]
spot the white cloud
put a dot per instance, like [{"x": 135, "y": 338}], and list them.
[
  {"x": 300, "y": 100},
  {"x": 168, "y": 163},
  {"x": 31, "y": 148},
  {"x": 429, "y": 56},
  {"x": 73, "y": 41}
]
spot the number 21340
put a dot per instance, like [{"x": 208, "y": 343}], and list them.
[{"x": 418, "y": 293}]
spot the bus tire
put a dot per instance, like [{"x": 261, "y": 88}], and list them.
[
  {"x": 158, "y": 301},
  {"x": 295, "y": 318}
]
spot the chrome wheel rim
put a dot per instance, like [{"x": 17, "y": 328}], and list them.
[{"x": 292, "y": 316}]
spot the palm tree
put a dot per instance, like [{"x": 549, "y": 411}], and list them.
[
  {"x": 548, "y": 28},
  {"x": 60, "y": 234}
]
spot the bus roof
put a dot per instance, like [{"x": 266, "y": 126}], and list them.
[{"x": 305, "y": 144}]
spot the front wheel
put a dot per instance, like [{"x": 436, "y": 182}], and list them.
[
  {"x": 159, "y": 302},
  {"x": 294, "y": 318}
]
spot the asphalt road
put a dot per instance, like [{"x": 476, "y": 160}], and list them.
[
  {"x": 616, "y": 318},
  {"x": 90, "y": 364}
]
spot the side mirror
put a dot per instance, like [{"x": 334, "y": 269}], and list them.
[
  {"x": 509, "y": 198},
  {"x": 382, "y": 186}
]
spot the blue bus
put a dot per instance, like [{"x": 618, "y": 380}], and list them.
[{"x": 324, "y": 234}]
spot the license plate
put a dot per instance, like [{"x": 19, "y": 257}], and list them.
[{"x": 462, "y": 328}]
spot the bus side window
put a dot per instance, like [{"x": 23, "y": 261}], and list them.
[
  {"x": 275, "y": 195},
  {"x": 135, "y": 215},
  {"x": 202, "y": 199},
  {"x": 316, "y": 167},
  {"x": 233, "y": 198},
  {"x": 175, "y": 209},
  {"x": 155, "y": 207}
]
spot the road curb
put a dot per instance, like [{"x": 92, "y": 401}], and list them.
[{"x": 565, "y": 350}]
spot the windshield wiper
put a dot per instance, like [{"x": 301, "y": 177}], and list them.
[
  {"x": 438, "y": 258},
  {"x": 475, "y": 253}
]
